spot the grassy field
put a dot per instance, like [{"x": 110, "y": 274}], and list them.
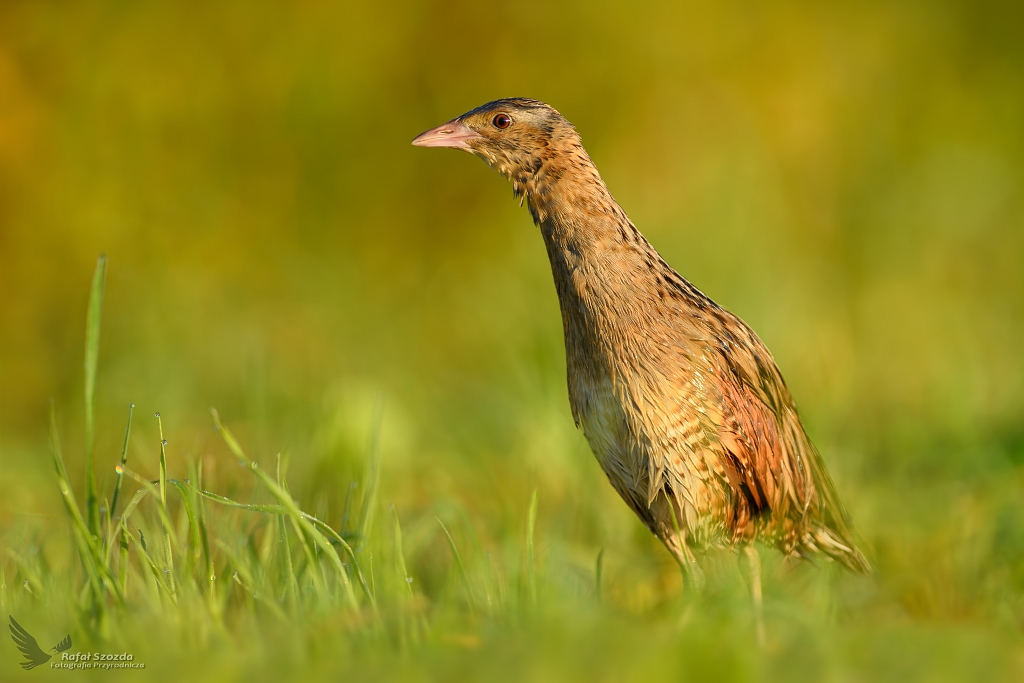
[{"x": 395, "y": 490}]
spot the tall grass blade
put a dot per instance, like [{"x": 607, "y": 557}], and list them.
[
  {"x": 120, "y": 469},
  {"x": 531, "y": 569},
  {"x": 299, "y": 519},
  {"x": 96, "y": 570},
  {"x": 400, "y": 556},
  {"x": 322, "y": 527},
  {"x": 164, "y": 514},
  {"x": 28, "y": 570},
  {"x": 409, "y": 633},
  {"x": 292, "y": 584},
  {"x": 92, "y": 349},
  {"x": 244, "y": 578},
  {"x": 165, "y": 518},
  {"x": 372, "y": 482},
  {"x": 309, "y": 549},
  {"x": 461, "y": 567},
  {"x": 167, "y": 585},
  {"x": 122, "y": 565},
  {"x": 346, "y": 508},
  {"x": 128, "y": 510},
  {"x": 187, "y": 493},
  {"x": 209, "y": 575},
  {"x": 140, "y": 544}
]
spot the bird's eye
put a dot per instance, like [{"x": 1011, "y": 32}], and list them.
[{"x": 502, "y": 121}]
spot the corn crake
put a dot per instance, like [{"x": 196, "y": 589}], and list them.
[{"x": 681, "y": 403}]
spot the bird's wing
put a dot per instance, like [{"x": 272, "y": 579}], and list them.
[
  {"x": 753, "y": 397},
  {"x": 761, "y": 434},
  {"x": 64, "y": 644},
  {"x": 27, "y": 645}
]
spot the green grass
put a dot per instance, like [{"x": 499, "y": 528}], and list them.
[{"x": 202, "y": 585}]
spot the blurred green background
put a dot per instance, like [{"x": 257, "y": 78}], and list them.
[{"x": 847, "y": 177}]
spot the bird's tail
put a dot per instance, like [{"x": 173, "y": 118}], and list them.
[
  {"x": 829, "y": 529},
  {"x": 840, "y": 548}
]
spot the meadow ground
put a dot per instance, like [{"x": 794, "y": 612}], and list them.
[
  {"x": 217, "y": 572},
  {"x": 397, "y": 491}
]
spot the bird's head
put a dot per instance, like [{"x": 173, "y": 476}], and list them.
[{"x": 516, "y": 136}]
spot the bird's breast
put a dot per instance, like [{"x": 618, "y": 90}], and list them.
[{"x": 602, "y": 417}]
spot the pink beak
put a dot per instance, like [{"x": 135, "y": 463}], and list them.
[{"x": 451, "y": 134}]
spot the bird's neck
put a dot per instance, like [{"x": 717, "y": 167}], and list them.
[
  {"x": 584, "y": 228},
  {"x": 605, "y": 272}
]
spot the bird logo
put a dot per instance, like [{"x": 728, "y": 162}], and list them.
[{"x": 34, "y": 656}]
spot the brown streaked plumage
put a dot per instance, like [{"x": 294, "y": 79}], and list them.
[{"x": 681, "y": 403}]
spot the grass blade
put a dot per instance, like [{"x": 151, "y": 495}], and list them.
[
  {"x": 322, "y": 527},
  {"x": 400, "y": 556},
  {"x": 410, "y": 628},
  {"x": 165, "y": 519},
  {"x": 244, "y": 578},
  {"x": 119, "y": 469},
  {"x": 123, "y": 560},
  {"x": 186, "y": 492},
  {"x": 140, "y": 544},
  {"x": 97, "y": 571},
  {"x": 299, "y": 519},
  {"x": 92, "y": 349},
  {"x": 292, "y": 585},
  {"x": 460, "y": 565},
  {"x": 372, "y": 476},
  {"x": 120, "y": 477},
  {"x": 27, "y": 570},
  {"x": 204, "y": 537},
  {"x": 164, "y": 514},
  {"x": 128, "y": 510},
  {"x": 531, "y": 570}
]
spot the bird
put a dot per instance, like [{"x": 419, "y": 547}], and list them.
[
  {"x": 29, "y": 648},
  {"x": 680, "y": 401}
]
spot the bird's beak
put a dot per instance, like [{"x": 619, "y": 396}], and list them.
[{"x": 451, "y": 134}]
